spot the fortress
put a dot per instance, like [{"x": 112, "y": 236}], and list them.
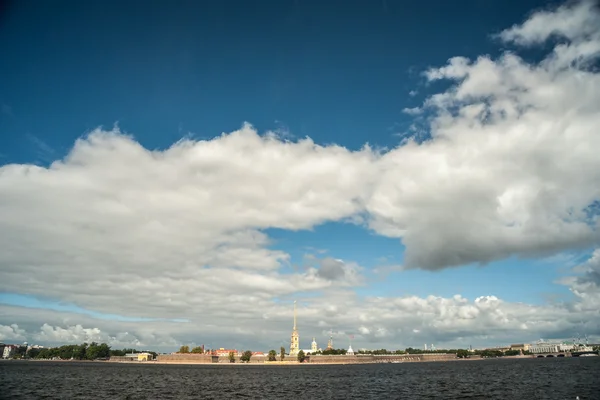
[{"x": 311, "y": 358}]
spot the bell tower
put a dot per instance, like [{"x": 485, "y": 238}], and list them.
[{"x": 295, "y": 342}]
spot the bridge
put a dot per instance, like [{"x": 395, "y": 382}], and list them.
[
  {"x": 583, "y": 353},
  {"x": 550, "y": 355},
  {"x": 567, "y": 354}
]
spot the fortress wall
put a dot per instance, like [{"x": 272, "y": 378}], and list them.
[
  {"x": 439, "y": 357},
  {"x": 320, "y": 359},
  {"x": 398, "y": 357},
  {"x": 253, "y": 359},
  {"x": 188, "y": 357}
]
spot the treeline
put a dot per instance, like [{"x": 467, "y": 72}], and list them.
[
  {"x": 382, "y": 351},
  {"x": 410, "y": 350},
  {"x": 83, "y": 351},
  {"x": 460, "y": 353},
  {"x": 498, "y": 353},
  {"x": 332, "y": 352},
  {"x": 195, "y": 350},
  {"x": 114, "y": 353}
]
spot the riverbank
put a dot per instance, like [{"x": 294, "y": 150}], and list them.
[{"x": 338, "y": 360}]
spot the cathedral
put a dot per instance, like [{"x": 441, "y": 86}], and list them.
[{"x": 295, "y": 340}]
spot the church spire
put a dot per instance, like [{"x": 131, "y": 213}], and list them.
[{"x": 295, "y": 342}]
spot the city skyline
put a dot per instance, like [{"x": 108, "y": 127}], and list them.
[{"x": 406, "y": 172}]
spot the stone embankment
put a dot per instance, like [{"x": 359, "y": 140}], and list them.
[{"x": 379, "y": 359}]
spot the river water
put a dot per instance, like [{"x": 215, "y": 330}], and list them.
[{"x": 556, "y": 378}]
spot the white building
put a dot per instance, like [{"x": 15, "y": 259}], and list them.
[
  {"x": 549, "y": 347},
  {"x": 9, "y": 350},
  {"x": 313, "y": 348}
]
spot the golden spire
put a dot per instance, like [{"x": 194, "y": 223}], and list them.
[{"x": 294, "y": 314}]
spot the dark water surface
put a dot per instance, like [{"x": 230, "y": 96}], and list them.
[{"x": 487, "y": 379}]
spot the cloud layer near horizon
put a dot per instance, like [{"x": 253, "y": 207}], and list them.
[{"x": 511, "y": 169}]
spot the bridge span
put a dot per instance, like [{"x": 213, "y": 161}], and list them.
[
  {"x": 569, "y": 354},
  {"x": 550, "y": 355}
]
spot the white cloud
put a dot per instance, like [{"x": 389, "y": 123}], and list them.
[
  {"x": 412, "y": 111},
  {"x": 72, "y": 334},
  {"x": 511, "y": 166},
  {"x": 572, "y": 21},
  {"x": 11, "y": 332},
  {"x": 173, "y": 229},
  {"x": 509, "y": 170},
  {"x": 586, "y": 286}
]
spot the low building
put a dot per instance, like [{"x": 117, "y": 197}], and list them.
[
  {"x": 145, "y": 357},
  {"x": 224, "y": 352},
  {"x": 502, "y": 349},
  {"x": 9, "y": 350},
  {"x": 549, "y": 347},
  {"x": 520, "y": 346}
]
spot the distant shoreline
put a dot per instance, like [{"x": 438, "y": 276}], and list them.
[{"x": 271, "y": 363}]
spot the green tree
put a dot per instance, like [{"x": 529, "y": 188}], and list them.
[
  {"x": 231, "y": 357},
  {"x": 20, "y": 352},
  {"x": 462, "y": 353},
  {"x": 197, "y": 350},
  {"x": 184, "y": 349},
  {"x": 335, "y": 352},
  {"x": 103, "y": 351},
  {"x": 91, "y": 353},
  {"x": 79, "y": 352},
  {"x": 34, "y": 353},
  {"x": 272, "y": 355},
  {"x": 44, "y": 353},
  {"x": 301, "y": 356},
  {"x": 246, "y": 356},
  {"x": 282, "y": 353}
]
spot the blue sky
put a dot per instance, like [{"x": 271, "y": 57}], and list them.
[
  {"x": 163, "y": 70},
  {"x": 339, "y": 72}
]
